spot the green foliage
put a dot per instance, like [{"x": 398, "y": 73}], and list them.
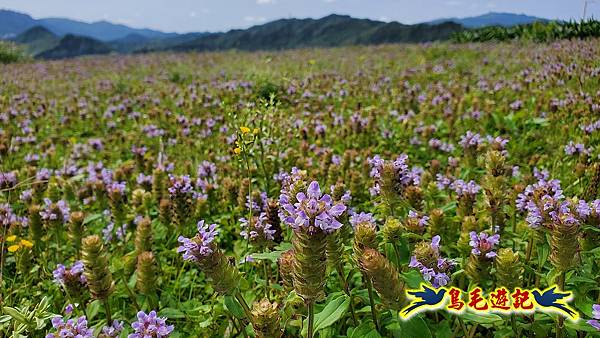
[
  {"x": 537, "y": 32},
  {"x": 10, "y": 52}
]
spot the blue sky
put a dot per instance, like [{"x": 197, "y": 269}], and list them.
[{"x": 219, "y": 15}]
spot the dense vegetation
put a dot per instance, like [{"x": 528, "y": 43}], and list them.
[
  {"x": 537, "y": 31},
  {"x": 10, "y": 52},
  {"x": 336, "y": 179}
]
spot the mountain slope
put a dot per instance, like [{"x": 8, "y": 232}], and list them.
[
  {"x": 13, "y": 23},
  {"x": 102, "y": 30},
  {"x": 329, "y": 31},
  {"x": 73, "y": 46},
  {"x": 37, "y": 39},
  {"x": 492, "y": 19}
]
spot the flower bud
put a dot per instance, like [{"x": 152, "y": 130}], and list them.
[
  {"x": 591, "y": 192},
  {"x": 266, "y": 319},
  {"x": 97, "y": 273},
  {"x": 35, "y": 224},
  {"x": 509, "y": 269},
  {"x": 165, "y": 212},
  {"x": 563, "y": 244},
  {"x": 437, "y": 222},
  {"x": 143, "y": 235},
  {"x": 75, "y": 233},
  {"x": 309, "y": 265},
  {"x": 392, "y": 230},
  {"x": 365, "y": 236},
  {"x": 273, "y": 219},
  {"x": 159, "y": 181},
  {"x": 385, "y": 278},
  {"x": 286, "y": 268},
  {"x": 146, "y": 273}
]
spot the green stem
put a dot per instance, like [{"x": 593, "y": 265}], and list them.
[
  {"x": 311, "y": 318},
  {"x": 244, "y": 305},
  {"x": 462, "y": 325},
  {"x": 561, "y": 319},
  {"x": 344, "y": 282},
  {"x": 131, "y": 295},
  {"x": 107, "y": 309},
  {"x": 513, "y": 322},
  {"x": 57, "y": 233},
  {"x": 372, "y": 303},
  {"x": 397, "y": 251},
  {"x": 267, "y": 277}
]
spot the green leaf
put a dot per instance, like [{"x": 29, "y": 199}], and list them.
[
  {"x": 15, "y": 314},
  {"x": 333, "y": 311},
  {"x": 543, "y": 252},
  {"x": 415, "y": 327},
  {"x": 364, "y": 330},
  {"x": 482, "y": 318},
  {"x": 272, "y": 256},
  {"x": 234, "y": 307},
  {"x": 171, "y": 313},
  {"x": 413, "y": 278},
  {"x": 91, "y": 218},
  {"x": 580, "y": 325}
]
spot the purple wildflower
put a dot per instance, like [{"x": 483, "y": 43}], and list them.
[
  {"x": 438, "y": 273},
  {"x": 313, "y": 210},
  {"x": 150, "y": 326},
  {"x": 112, "y": 331},
  {"x": 483, "y": 244},
  {"x": 257, "y": 230},
  {"x": 470, "y": 140},
  {"x": 70, "y": 328},
  {"x": 596, "y": 315},
  {"x": 201, "y": 245},
  {"x": 363, "y": 217},
  {"x": 55, "y": 211}
]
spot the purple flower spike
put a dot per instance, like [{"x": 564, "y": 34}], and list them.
[
  {"x": 483, "y": 244},
  {"x": 313, "y": 210},
  {"x": 595, "y": 323},
  {"x": 150, "y": 326},
  {"x": 199, "y": 246}
]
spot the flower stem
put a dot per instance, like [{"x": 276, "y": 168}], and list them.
[
  {"x": 344, "y": 282},
  {"x": 311, "y": 318},
  {"x": 560, "y": 321},
  {"x": 372, "y": 303},
  {"x": 244, "y": 305},
  {"x": 107, "y": 309}
]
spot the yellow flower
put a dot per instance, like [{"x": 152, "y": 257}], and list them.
[
  {"x": 255, "y": 131},
  {"x": 237, "y": 150},
  {"x": 14, "y": 248},
  {"x": 244, "y": 130},
  {"x": 11, "y": 238},
  {"x": 26, "y": 243}
]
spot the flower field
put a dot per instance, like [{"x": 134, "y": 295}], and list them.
[{"x": 313, "y": 193}]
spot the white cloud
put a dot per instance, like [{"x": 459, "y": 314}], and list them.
[
  {"x": 265, "y": 2},
  {"x": 329, "y": 1}
]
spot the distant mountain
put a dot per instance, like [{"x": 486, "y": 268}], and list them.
[
  {"x": 138, "y": 43},
  {"x": 329, "y": 31},
  {"x": 492, "y": 19},
  {"x": 59, "y": 38},
  {"x": 14, "y": 23},
  {"x": 73, "y": 46},
  {"x": 37, "y": 39},
  {"x": 102, "y": 30}
]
